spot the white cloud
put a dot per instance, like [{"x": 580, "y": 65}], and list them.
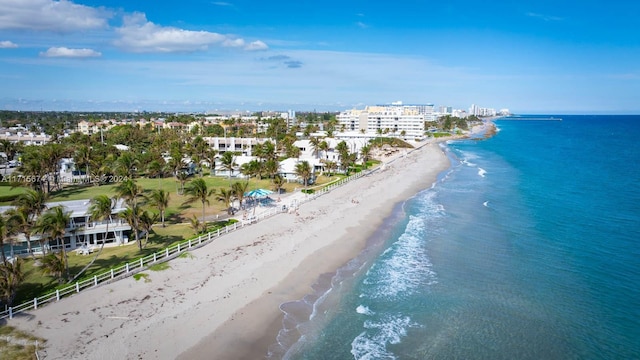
[
  {"x": 544, "y": 17},
  {"x": 256, "y": 45},
  {"x": 140, "y": 35},
  {"x": 7, "y": 44},
  {"x": 233, "y": 43},
  {"x": 362, "y": 25},
  {"x": 60, "y": 16},
  {"x": 70, "y": 53}
]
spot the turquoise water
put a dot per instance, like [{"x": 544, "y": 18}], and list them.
[{"x": 528, "y": 247}]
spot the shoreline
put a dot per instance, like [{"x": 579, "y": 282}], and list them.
[
  {"x": 223, "y": 300},
  {"x": 224, "y": 343}
]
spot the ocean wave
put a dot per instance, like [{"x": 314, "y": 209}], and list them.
[
  {"x": 467, "y": 155},
  {"x": 372, "y": 343},
  {"x": 404, "y": 266},
  {"x": 298, "y": 324},
  {"x": 481, "y": 172},
  {"x": 361, "y": 309}
]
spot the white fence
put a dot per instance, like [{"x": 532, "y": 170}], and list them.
[{"x": 168, "y": 253}]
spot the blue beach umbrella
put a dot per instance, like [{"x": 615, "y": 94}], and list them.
[{"x": 258, "y": 193}]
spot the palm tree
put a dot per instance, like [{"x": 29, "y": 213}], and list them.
[
  {"x": 324, "y": 147},
  {"x": 182, "y": 178},
  {"x": 100, "y": 210},
  {"x": 239, "y": 188},
  {"x": 293, "y": 151},
  {"x": 330, "y": 165},
  {"x": 268, "y": 151},
  {"x": 160, "y": 199},
  {"x": 51, "y": 154},
  {"x": 156, "y": 169},
  {"x": 343, "y": 149},
  {"x": 129, "y": 191},
  {"x": 132, "y": 216},
  {"x": 226, "y": 196},
  {"x": 31, "y": 203},
  {"x": 347, "y": 161},
  {"x": 18, "y": 218},
  {"x": 315, "y": 145},
  {"x": 195, "y": 224},
  {"x": 278, "y": 182},
  {"x": 3, "y": 237},
  {"x": 34, "y": 201},
  {"x": 146, "y": 223},
  {"x": 82, "y": 156},
  {"x": 198, "y": 191},
  {"x": 303, "y": 170},
  {"x": 252, "y": 168},
  {"x": 175, "y": 164},
  {"x": 54, "y": 222},
  {"x": 228, "y": 162},
  {"x": 271, "y": 167},
  {"x": 34, "y": 168},
  {"x": 11, "y": 276},
  {"x": 126, "y": 164},
  {"x": 54, "y": 265},
  {"x": 210, "y": 156},
  {"x": 365, "y": 152},
  {"x": 198, "y": 152}
]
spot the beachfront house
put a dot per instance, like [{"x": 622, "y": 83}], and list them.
[
  {"x": 288, "y": 168},
  {"x": 82, "y": 231}
]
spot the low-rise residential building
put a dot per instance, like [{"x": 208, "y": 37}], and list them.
[
  {"x": 242, "y": 146},
  {"x": 26, "y": 138},
  {"x": 82, "y": 230}
]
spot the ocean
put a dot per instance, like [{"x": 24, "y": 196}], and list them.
[{"x": 527, "y": 247}]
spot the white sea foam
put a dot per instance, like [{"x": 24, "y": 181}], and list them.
[
  {"x": 361, "y": 309},
  {"x": 372, "y": 343},
  {"x": 468, "y": 163},
  {"x": 481, "y": 172},
  {"x": 402, "y": 267},
  {"x": 468, "y": 155},
  {"x": 486, "y": 203}
]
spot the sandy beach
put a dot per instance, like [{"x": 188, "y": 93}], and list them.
[{"x": 222, "y": 301}]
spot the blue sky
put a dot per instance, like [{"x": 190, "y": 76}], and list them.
[{"x": 203, "y": 55}]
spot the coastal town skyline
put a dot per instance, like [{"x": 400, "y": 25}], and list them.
[{"x": 111, "y": 55}]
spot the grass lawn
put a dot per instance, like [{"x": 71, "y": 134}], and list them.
[
  {"x": 7, "y": 192},
  {"x": 177, "y": 210},
  {"x": 12, "y": 344},
  {"x": 36, "y": 284},
  {"x": 177, "y": 229}
]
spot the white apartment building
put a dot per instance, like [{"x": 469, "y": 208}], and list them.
[
  {"x": 81, "y": 230},
  {"x": 398, "y": 120},
  {"x": 243, "y": 146},
  {"x": 26, "y": 138}
]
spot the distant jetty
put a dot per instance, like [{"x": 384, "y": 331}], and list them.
[{"x": 531, "y": 118}]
